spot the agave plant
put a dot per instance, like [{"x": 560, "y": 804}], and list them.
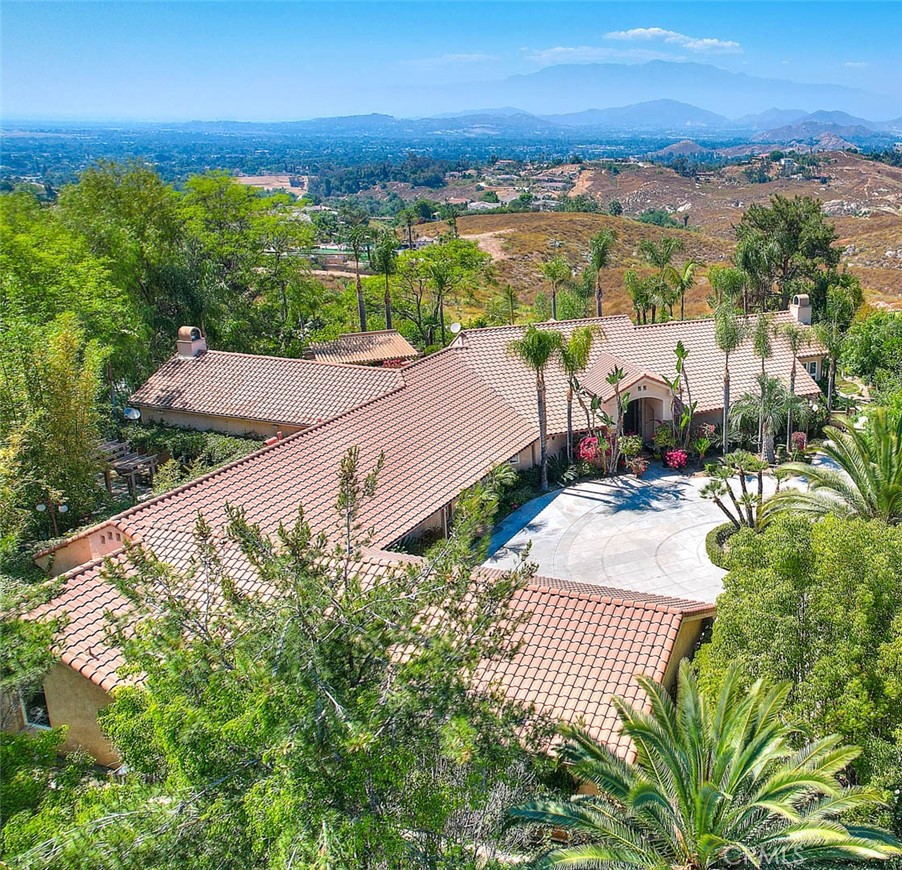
[
  {"x": 868, "y": 482},
  {"x": 717, "y": 782}
]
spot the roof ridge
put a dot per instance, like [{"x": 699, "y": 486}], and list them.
[
  {"x": 622, "y": 597},
  {"x": 613, "y": 595},
  {"x": 292, "y": 359},
  {"x": 356, "y": 334},
  {"x": 503, "y": 326}
]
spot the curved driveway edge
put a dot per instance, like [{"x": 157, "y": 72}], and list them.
[{"x": 643, "y": 535}]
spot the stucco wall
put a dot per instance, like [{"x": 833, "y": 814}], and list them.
[
  {"x": 73, "y": 700},
  {"x": 207, "y": 422},
  {"x": 684, "y": 647},
  {"x": 79, "y": 551}
]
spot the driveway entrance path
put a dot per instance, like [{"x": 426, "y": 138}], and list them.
[{"x": 643, "y": 535}]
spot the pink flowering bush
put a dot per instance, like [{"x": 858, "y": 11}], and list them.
[
  {"x": 587, "y": 449},
  {"x": 706, "y": 430},
  {"x": 676, "y": 459},
  {"x": 798, "y": 441}
]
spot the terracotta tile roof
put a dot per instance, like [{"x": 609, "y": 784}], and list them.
[
  {"x": 652, "y": 348},
  {"x": 365, "y": 347},
  {"x": 440, "y": 433},
  {"x": 272, "y": 389},
  {"x": 458, "y": 413},
  {"x": 580, "y": 645},
  {"x": 584, "y": 644},
  {"x": 595, "y": 378},
  {"x": 648, "y": 349}
]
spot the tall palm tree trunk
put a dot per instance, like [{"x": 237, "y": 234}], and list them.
[
  {"x": 570, "y": 424},
  {"x": 792, "y": 392},
  {"x": 543, "y": 442},
  {"x": 831, "y": 382},
  {"x": 761, "y": 413},
  {"x": 682, "y": 305},
  {"x": 553, "y": 302},
  {"x": 598, "y": 299},
  {"x": 387, "y": 303},
  {"x": 361, "y": 306},
  {"x": 726, "y": 406}
]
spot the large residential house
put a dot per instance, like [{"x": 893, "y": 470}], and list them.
[{"x": 442, "y": 424}]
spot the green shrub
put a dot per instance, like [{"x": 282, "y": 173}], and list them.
[
  {"x": 664, "y": 436},
  {"x": 630, "y": 446},
  {"x": 715, "y": 541},
  {"x": 188, "y": 447}
]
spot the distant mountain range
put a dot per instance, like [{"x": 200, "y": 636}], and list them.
[
  {"x": 570, "y": 88},
  {"x": 660, "y": 117}
]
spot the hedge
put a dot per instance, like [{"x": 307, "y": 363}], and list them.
[{"x": 715, "y": 541}]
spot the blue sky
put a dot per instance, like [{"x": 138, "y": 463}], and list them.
[{"x": 260, "y": 60}]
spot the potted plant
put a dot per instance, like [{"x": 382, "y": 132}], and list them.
[
  {"x": 701, "y": 446},
  {"x": 664, "y": 439},
  {"x": 630, "y": 447}
]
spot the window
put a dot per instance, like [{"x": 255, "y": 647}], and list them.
[
  {"x": 515, "y": 460},
  {"x": 34, "y": 710},
  {"x": 812, "y": 368}
]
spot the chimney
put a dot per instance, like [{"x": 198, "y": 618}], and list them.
[
  {"x": 800, "y": 308},
  {"x": 190, "y": 342}
]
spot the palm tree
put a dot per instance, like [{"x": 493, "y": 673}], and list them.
[
  {"x": 758, "y": 259},
  {"x": 640, "y": 292},
  {"x": 682, "y": 280},
  {"x": 868, "y": 482},
  {"x": 557, "y": 271},
  {"x": 831, "y": 332},
  {"x": 763, "y": 348},
  {"x": 511, "y": 303},
  {"x": 716, "y": 783},
  {"x": 407, "y": 217},
  {"x": 742, "y": 465},
  {"x": 729, "y": 332},
  {"x": 385, "y": 262},
  {"x": 574, "y": 360},
  {"x": 357, "y": 238},
  {"x": 536, "y": 348},
  {"x": 600, "y": 246},
  {"x": 727, "y": 284},
  {"x": 771, "y": 406},
  {"x": 796, "y": 337},
  {"x": 660, "y": 254}
]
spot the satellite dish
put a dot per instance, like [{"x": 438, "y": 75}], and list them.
[
  {"x": 455, "y": 328},
  {"x": 132, "y": 414}
]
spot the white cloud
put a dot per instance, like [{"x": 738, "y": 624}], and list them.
[
  {"x": 856, "y": 64},
  {"x": 671, "y": 37},
  {"x": 593, "y": 54},
  {"x": 452, "y": 60}
]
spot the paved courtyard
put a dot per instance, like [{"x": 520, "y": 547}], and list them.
[{"x": 644, "y": 535}]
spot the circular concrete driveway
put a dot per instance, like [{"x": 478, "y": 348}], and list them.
[{"x": 643, "y": 535}]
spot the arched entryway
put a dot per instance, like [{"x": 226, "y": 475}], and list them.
[{"x": 642, "y": 416}]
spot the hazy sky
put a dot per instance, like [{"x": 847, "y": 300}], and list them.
[{"x": 290, "y": 60}]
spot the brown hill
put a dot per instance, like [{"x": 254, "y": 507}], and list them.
[{"x": 519, "y": 243}]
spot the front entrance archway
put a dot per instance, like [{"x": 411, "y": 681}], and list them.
[{"x": 642, "y": 417}]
